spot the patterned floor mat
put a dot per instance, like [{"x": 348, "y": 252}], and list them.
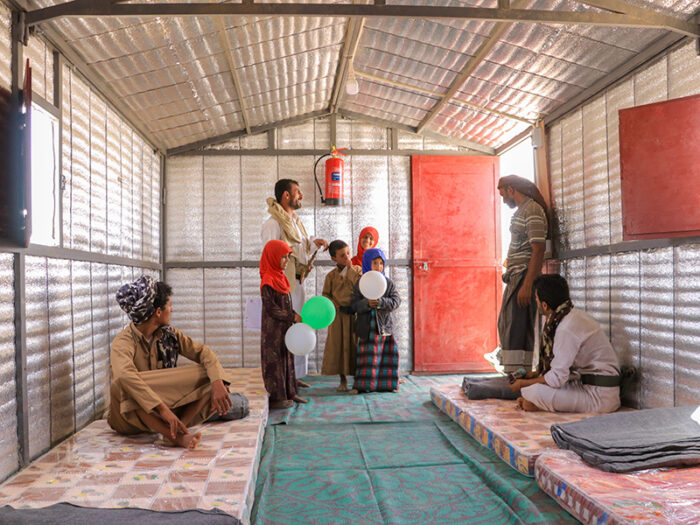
[{"x": 386, "y": 458}]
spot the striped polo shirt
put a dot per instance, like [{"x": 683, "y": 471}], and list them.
[{"x": 528, "y": 225}]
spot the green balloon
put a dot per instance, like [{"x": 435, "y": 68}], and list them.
[{"x": 318, "y": 312}]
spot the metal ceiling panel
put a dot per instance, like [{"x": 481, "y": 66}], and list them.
[{"x": 175, "y": 72}]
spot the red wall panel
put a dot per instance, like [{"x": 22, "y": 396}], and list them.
[{"x": 660, "y": 169}]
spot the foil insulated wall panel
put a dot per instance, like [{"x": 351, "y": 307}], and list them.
[
  {"x": 576, "y": 277},
  {"x": 38, "y": 360},
  {"x": 555, "y": 178},
  {"x": 683, "y": 72},
  {"x": 598, "y": 290},
  {"x": 5, "y": 47},
  {"x": 128, "y": 212},
  {"x": 117, "y": 319},
  {"x": 595, "y": 174},
  {"x": 250, "y": 287},
  {"x": 100, "y": 299},
  {"x": 41, "y": 61},
  {"x": 572, "y": 175},
  {"x": 114, "y": 184},
  {"x": 617, "y": 98},
  {"x": 259, "y": 175},
  {"x": 61, "y": 349},
  {"x": 402, "y": 316},
  {"x": 9, "y": 460},
  {"x": 650, "y": 84},
  {"x": 301, "y": 136},
  {"x": 98, "y": 179},
  {"x": 222, "y": 208},
  {"x": 399, "y": 242},
  {"x": 137, "y": 196},
  {"x": 223, "y": 320},
  {"x": 188, "y": 300},
  {"x": 79, "y": 181},
  {"x": 184, "y": 201},
  {"x": 83, "y": 362},
  {"x": 625, "y": 305},
  {"x": 686, "y": 327},
  {"x": 370, "y": 190},
  {"x": 657, "y": 328}
]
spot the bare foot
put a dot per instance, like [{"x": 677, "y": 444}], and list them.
[
  {"x": 342, "y": 388},
  {"x": 188, "y": 441},
  {"x": 401, "y": 380},
  {"x": 300, "y": 399},
  {"x": 395, "y": 391},
  {"x": 303, "y": 384},
  {"x": 353, "y": 392},
  {"x": 527, "y": 406}
]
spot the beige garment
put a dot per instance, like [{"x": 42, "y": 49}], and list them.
[
  {"x": 139, "y": 381},
  {"x": 294, "y": 234},
  {"x": 341, "y": 345}
]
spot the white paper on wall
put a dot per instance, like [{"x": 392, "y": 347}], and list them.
[{"x": 253, "y": 313}]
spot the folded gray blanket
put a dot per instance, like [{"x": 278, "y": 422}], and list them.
[
  {"x": 487, "y": 388},
  {"x": 626, "y": 441}
]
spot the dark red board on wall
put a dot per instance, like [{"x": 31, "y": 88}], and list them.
[
  {"x": 456, "y": 262},
  {"x": 660, "y": 169}
]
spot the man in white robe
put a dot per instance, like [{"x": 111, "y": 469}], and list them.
[
  {"x": 580, "y": 370},
  {"x": 285, "y": 225}
]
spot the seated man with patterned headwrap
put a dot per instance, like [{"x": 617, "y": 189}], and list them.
[{"x": 148, "y": 392}]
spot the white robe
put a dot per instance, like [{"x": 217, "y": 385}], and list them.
[{"x": 580, "y": 347}]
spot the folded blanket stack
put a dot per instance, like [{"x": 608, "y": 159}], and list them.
[
  {"x": 642, "y": 439},
  {"x": 487, "y": 388}
]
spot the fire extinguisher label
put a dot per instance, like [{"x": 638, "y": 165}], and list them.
[{"x": 335, "y": 176}]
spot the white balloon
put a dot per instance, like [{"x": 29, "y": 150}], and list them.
[
  {"x": 373, "y": 284},
  {"x": 300, "y": 339}
]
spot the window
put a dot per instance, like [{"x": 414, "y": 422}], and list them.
[{"x": 45, "y": 178}]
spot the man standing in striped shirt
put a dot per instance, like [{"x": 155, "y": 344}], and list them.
[{"x": 528, "y": 228}]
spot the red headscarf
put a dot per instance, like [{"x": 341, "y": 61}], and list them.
[
  {"x": 357, "y": 260},
  {"x": 271, "y": 272}
]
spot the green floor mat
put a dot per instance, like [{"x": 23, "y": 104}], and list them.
[{"x": 387, "y": 458}]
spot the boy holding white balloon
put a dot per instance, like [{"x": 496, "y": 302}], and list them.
[
  {"x": 277, "y": 317},
  {"x": 374, "y": 299},
  {"x": 341, "y": 344}
]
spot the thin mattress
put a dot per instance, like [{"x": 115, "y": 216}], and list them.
[
  {"x": 653, "y": 496},
  {"x": 516, "y": 436},
  {"x": 99, "y": 468}
]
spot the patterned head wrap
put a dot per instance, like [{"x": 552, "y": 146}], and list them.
[
  {"x": 371, "y": 255},
  {"x": 136, "y": 299},
  {"x": 525, "y": 187}
]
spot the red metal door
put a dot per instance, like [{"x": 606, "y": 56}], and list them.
[{"x": 456, "y": 262}]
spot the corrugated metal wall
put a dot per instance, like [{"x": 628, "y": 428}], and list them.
[
  {"x": 216, "y": 206},
  {"x": 646, "y": 300},
  {"x": 110, "y": 207}
]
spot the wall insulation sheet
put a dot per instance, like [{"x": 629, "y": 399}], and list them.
[{"x": 646, "y": 300}]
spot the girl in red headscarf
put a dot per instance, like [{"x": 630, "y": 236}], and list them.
[
  {"x": 368, "y": 239},
  {"x": 277, "y": 316}
]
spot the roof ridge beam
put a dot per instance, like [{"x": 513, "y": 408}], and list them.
[
  {"x": 226, "y": 45},
  {"x": 81, "y": 8},
  {"x": 347, "y": 56},
  {"x": 428, "y": 92}
]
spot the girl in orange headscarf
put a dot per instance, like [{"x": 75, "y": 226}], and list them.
[
  {"x": 277, "y": 316},
  {"x": 368, "y": 239}
]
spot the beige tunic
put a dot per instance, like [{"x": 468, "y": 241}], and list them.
[
  {"x": 139, "y": 381},
  {"x": 341, "y": 345}
]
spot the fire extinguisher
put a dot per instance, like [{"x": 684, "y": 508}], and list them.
[{"x": 334, "y": 178}]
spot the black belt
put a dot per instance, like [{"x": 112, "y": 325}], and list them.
[{"x": 596, "y": 380}]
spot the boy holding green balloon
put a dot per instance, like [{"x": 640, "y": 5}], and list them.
[{"x": 341, "y": 345}]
